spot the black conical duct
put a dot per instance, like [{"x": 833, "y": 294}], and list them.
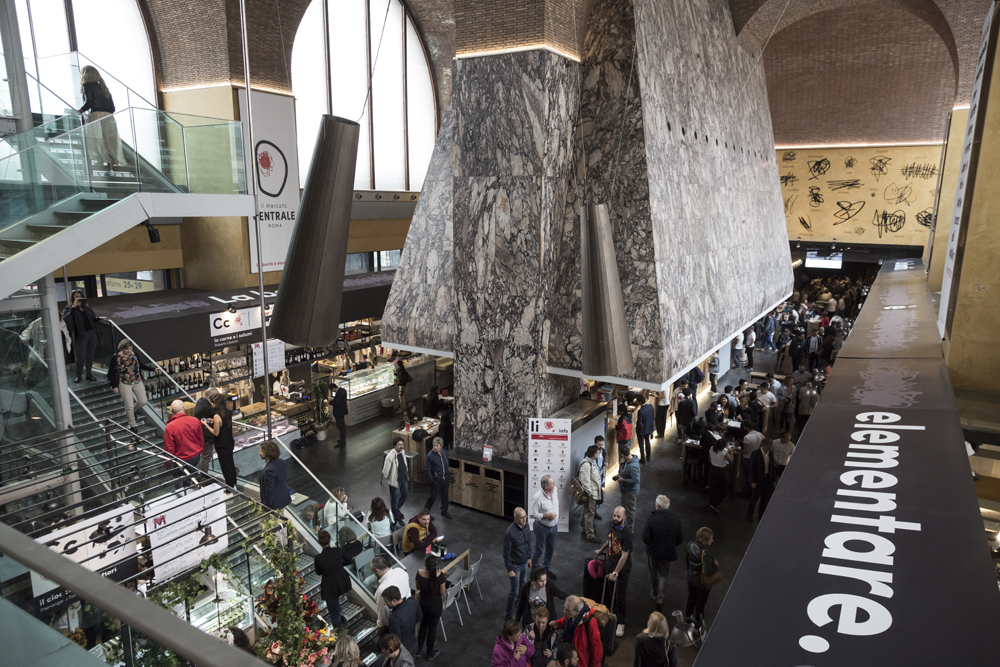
[{"x": 307, "y": 311}]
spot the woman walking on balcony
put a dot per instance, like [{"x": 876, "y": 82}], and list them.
[{"x": 101, "y": 136}]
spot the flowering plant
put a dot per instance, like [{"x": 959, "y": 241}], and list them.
[{"x": 298, "y": 636}]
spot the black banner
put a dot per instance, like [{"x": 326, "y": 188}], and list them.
[{"x": 872, "y": 551}]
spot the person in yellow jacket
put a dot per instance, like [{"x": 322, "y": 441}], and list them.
[{"x": 420, "y": 532}]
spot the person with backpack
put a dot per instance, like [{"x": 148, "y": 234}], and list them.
[
  {"x": 579, "y": 628},
  {"x": 402, "y": 379},
  {"x": 652, "y": 646},
  {"x": 590, "y": 479},
  {"x": 623, "y": 431},
  {"x": 700, "y": 565}
]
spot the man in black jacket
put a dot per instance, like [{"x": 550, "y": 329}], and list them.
[
  {"x": 329, "y": 564},
  {"x": 686, "y": 412},
  {"x": 82, "y": 325},
  {"x": 338, "y": 407},
  {"x": 516, "y": 557},
  {"x": 438, "y": 471},
  {"x": 661, "y": 535},
  {"x": 763, "y": 477},
  {"x": 403, "y": 617}
]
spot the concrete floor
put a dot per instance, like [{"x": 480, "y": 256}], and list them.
[{"x": 357, "y": 468}]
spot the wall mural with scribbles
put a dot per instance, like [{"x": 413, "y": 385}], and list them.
[{"x": 860, "y": 194}]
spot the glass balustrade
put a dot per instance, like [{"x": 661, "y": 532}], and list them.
[{"x": 151, "y": 151}]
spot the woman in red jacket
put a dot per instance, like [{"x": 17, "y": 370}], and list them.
[{"x": 580, "y": 628}]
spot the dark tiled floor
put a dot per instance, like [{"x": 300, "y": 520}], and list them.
[{"x": 358, "y": 466}]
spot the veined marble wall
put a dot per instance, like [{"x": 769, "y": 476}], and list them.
[
  {"x": 420, "y": 310},
  {"x": 689, "y": 171},
  {"x": 514, "y": 118},
  {"x": 491, "y": 265}
]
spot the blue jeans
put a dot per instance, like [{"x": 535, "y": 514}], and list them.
[
  {"x": 544, "y": 537},
  {"x": 519, "y": 579},
  {"x": 333, "y": 606},
  {"x": 397, "y": 496}
]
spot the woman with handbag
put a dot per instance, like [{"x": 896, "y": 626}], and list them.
[
  {"x": 652, "y": 646},
  {"x": 703, "y": 573}
]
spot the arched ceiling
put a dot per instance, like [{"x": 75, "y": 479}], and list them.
[{"x": 860, "y": 74}]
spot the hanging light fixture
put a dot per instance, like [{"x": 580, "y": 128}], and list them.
[
  {"x": 683, "y": 633},
  {"x": 607, "y": 350},
  {"x": 307, "y": 310}
]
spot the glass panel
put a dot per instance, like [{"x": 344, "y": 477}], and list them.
[
  {"x": 388, "y": 259},
  {"x": 350, "y": 82},
  {"x": 420, "y": 109},
  {"x": 49, "y": 25},
  {"x": 358, "y": 262},
  {"x": 95, "y": 21},
  {"x": 310, "y": 93},
  {"x": 387, "y": 94}
]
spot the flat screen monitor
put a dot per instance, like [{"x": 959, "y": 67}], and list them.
[{"x": 832, "y": 261}]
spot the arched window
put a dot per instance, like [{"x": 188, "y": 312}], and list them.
[
  {"x": 398, "y": 118},
  {"x": 110, "y": 34}
]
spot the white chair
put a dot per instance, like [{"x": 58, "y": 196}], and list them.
[
  {"x": 450, "y": 596},
  {"x": 465, "y": 579},
  {"x": 459, "y": 579}
]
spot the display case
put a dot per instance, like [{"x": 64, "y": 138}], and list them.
[
  {"x": 366, "y": 381},
  {"x": 222, "y": 609}
]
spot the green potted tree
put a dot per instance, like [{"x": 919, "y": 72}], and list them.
[{"x": 321, "y": 416}]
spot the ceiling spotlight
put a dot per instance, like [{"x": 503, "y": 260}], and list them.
[
  {"x": 834, "y": 246},
  {"x": 798, "y": 243},
  {"x": 232, "y": 309},
  {"x": 683, "y": 633},
  {"x": 208, "y": 537}
]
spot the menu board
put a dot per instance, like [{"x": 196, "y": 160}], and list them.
[
  {"x": 184, "y": 530},
  {"x": 275, "y": 357},
  {"x": 549, "y": 454}
]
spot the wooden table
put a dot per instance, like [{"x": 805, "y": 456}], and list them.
[{"x": 415, "y": 561}]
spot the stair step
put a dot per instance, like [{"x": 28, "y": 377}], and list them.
[
  {"x": 20, "y": 244},
  {"x": 94, "y": 202},
  {"x": 73, "y": 215},
  {"x": 48, "y": 229}
]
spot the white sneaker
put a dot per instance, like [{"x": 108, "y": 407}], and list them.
[{"x": 620, "y": 632}]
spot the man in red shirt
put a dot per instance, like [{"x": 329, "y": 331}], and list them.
[
  {"x": 183, "y": 437},
  {"x": 579, "y": 627}
]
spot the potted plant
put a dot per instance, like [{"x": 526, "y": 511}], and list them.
[{"x": 321, "y": 416}]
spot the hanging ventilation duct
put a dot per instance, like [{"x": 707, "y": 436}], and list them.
[
  {"x": 607, "y": 350},
  {"x": 307, "y": 310}
]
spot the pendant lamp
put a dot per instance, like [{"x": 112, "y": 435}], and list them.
[
  {"x": 607, "y": 350},
  {"x": 307, "y": 310}
]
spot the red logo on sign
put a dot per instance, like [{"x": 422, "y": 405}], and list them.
[
  {"x": 238, "y": 319},
  {"x": 265, "y": 162},
  {"x": 160, "y": 520},
  {"x": 549, "y": 425}
]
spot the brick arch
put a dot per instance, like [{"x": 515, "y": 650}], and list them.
[{"x": 754, "y": 20}]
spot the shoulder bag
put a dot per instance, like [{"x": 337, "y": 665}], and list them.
[{"x": 707, "y": 579}]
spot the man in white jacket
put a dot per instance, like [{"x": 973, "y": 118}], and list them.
[
  {"x": 590, "y": 480},
  {"x": 395, "y": 472}
]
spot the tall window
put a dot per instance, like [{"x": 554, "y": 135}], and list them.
[
  {"x": 397, "y": 118},
  {"x": 109, "y": 33}
]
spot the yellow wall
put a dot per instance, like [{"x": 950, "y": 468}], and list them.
[
  {"x": 946, "y": 202},
  {"x": 131, "y": 251},
  {"x": 375, "y": 235},
  {"x": 971, "y": 351},
  {"x": 860, "y": 194}
]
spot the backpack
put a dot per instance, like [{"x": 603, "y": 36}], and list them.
[
  {"x": 576, "y": 490},
  {"x": 607, "y": 625},
  {"x": 624, "y": 431}
]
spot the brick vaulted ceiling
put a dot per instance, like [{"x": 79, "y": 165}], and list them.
[{"x": 862, "y": 71}]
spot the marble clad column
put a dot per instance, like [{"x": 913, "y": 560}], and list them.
[
  {"x": 419, "y": 311},
  {"x": 689, "y": 173},
  {"x": 514, "y": 116}
]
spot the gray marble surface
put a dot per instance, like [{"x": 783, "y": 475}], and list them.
[
  {"x": 420, "y": 308},
  {"x": 688, "y": 170},
  {"x": 515, "y": 116}
]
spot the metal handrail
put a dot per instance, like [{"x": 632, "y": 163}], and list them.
[
  {"x": 256, "y": 428},
  {"x": 150, "y": 619}
]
